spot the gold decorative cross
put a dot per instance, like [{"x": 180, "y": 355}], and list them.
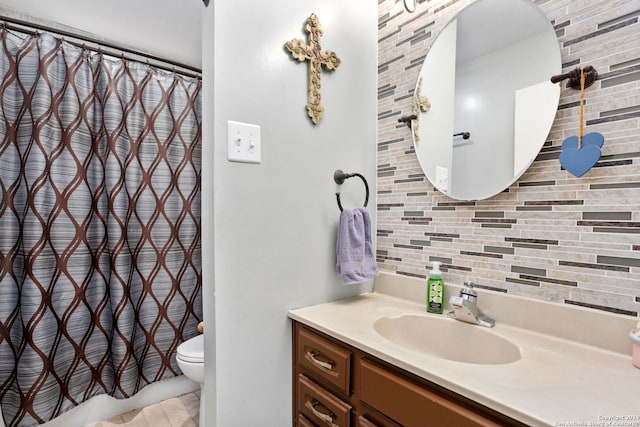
[{"x": 317, "y": 58}]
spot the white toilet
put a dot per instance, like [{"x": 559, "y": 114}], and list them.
[{"x": 190, "y": 358}]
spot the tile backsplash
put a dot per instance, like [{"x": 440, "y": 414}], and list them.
[{"x": 550, "y": 235}]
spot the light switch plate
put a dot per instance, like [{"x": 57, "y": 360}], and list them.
[{"x": 243, "y": 142}]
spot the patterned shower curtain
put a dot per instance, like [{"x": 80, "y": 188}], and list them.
[{"x": 100, "y": 276}]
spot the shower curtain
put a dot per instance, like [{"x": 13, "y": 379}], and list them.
[{"x": 100, "y": 276}]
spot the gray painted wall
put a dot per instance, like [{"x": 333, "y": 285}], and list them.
[{"x": 270, "y": 244}]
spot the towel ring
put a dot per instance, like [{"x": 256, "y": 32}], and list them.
[{"x": 339, "y": 177}]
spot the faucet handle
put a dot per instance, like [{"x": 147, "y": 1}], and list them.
[{"x": 468, "y": 293}]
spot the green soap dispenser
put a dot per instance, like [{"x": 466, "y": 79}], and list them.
[{"x": 435, "y": 290}]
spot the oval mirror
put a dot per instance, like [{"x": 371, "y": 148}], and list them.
[{"x": 487, "y": 77}]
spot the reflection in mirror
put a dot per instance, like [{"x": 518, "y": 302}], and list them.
[{"x": 487, "y": 74}]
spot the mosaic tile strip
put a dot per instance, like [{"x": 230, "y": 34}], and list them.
[
  {"x": 499, "y": 250},
  {"x": 522, "y": 282},
  {"x": 593, "y": 266},
  {"x": 549, "y": 280},
  {"x": 604, "y": 30},
  {"x": 604, "y": 308},
  {"x": 489, "y": 288},
  {"x": 446, "y": 262},
  {"x": 481, "y": 254},
  {"x": 614, "y": 185}
]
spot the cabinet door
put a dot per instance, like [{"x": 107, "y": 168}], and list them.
[
  {"x": 320, "y": 406},
  {"x": 324, "y": 358},
  {"x": 411, "y": 404}
]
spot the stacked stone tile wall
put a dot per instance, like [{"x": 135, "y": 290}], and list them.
[{"x": 550, "y": 235}]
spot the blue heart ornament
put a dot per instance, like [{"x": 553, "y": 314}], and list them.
[{"x": 578, "y": 162}]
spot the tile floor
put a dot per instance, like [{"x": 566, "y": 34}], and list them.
[{"x": 161, "y": 414}]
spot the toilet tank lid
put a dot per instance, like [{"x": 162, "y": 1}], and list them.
[{"x": 192, "y": 350}]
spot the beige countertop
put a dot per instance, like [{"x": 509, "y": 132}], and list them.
[{"x": 556, "y": 382}]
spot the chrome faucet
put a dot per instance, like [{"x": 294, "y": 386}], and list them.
[{"x": 465, "y": 307}]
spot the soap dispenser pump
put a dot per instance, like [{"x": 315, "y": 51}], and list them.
[{"x": 435, "y": 290}]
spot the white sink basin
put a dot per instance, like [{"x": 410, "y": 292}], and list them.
[{"x": 448, "y": 338}]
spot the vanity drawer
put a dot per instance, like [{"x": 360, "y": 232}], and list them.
[
  {"x": 411, "y": 404},
  {"x": 363, "y": 422},
  {"x": 320, "y": 406},
  {"x": 324, "y": 358},
  {"x": 304, "y": 421}
]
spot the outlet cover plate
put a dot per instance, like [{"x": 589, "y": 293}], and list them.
[{"x": 442, "y": 178}]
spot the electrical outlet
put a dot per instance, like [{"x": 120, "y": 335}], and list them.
[{"x": 442, "y": 178}]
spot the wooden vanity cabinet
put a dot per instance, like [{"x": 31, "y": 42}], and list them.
[{"x": 336, "y": 385}]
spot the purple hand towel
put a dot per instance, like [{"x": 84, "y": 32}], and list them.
[{"x": 355, "y": 259}]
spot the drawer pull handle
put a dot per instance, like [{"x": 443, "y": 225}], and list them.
[
  {"x": 327, "y": 418},
  {"x": 326, "y": 365}
]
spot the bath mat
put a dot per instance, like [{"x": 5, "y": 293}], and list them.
[{"x": 168, "y": 413}]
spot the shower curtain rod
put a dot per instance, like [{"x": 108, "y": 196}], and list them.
[{"x": 158, "y": 62}]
